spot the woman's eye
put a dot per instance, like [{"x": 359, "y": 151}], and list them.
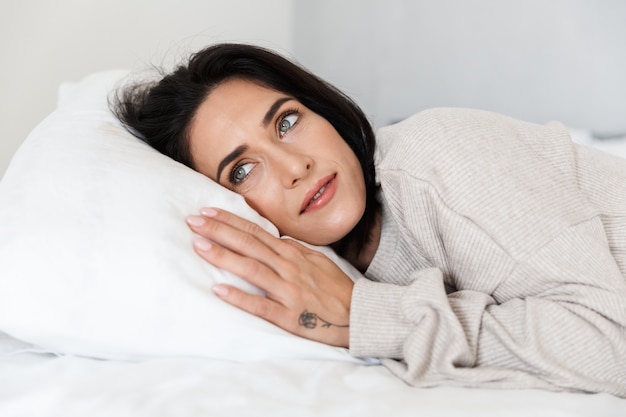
[
  {"x": 286, "y": 123},
  {"x": 240, "y": 172}
]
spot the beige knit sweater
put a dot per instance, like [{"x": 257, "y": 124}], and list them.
[{"x": 502, "y": 260}]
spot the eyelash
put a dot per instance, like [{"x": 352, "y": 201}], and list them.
[
  {"x": 236, "y": 167},
  {"x": 281, "y": 118}
]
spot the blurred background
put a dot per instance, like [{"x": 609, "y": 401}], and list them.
[{"x": 538, "y": 60}]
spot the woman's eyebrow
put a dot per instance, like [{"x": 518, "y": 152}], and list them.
[
  {"x": 269, "y": 116},
  {"x": 273, "y": 109},
  {"x": 239, "y": 150}
]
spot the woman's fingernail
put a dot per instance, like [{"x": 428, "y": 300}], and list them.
[
  {"x": 208, "y": 211},
  {"x": 220, "y": 290},
  {"x": 202, "y": 245},
  {"x": 195, "y": 220}
]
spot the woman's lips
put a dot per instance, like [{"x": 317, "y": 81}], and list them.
[{"x": 320, "y": 194}]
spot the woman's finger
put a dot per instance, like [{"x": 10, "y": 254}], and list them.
[
  {"x": 300, "y": 322},
  {"x": 245, "y": 243},
  {"x": 243, "y": 237},
  {"x": 259, "y": 306},
  {"x": 246, "y": 226},
  {"x": 252, "y": 270},
  {"x": 239, "y": 223}
]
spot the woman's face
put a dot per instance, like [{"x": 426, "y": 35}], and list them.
[{"x": 289, "y": 163}]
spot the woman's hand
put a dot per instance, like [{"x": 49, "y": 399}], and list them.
[{"x": 307, "y": 294}]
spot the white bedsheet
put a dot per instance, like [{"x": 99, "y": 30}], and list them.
[{"x": 35, "y": 384}]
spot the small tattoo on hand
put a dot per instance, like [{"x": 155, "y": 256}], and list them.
[{"x": 309, "y": 320}]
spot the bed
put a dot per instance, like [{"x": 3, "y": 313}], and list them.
[
  {"x": 35, "y": 384},
  {"x": 105, "y": 310}
]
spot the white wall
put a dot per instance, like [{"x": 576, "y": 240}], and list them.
[
  {"x": 538, "y": 60},
  {"x": 46, "y": 42}
]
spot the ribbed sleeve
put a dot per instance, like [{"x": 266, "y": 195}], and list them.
[{"x": 499, "y": 260}]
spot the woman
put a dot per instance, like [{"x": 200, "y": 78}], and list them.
[{"x": 495, "y": 249}]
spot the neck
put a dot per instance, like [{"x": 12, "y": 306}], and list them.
[{"x": 362, "y": 259}]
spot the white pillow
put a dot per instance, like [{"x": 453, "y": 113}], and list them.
[{"x": 95, "y": 255}]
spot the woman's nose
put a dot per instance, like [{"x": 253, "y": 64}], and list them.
[{"x": 295, "y": 167}]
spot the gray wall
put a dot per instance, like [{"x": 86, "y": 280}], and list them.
[{"x": 539, "y": 60}]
